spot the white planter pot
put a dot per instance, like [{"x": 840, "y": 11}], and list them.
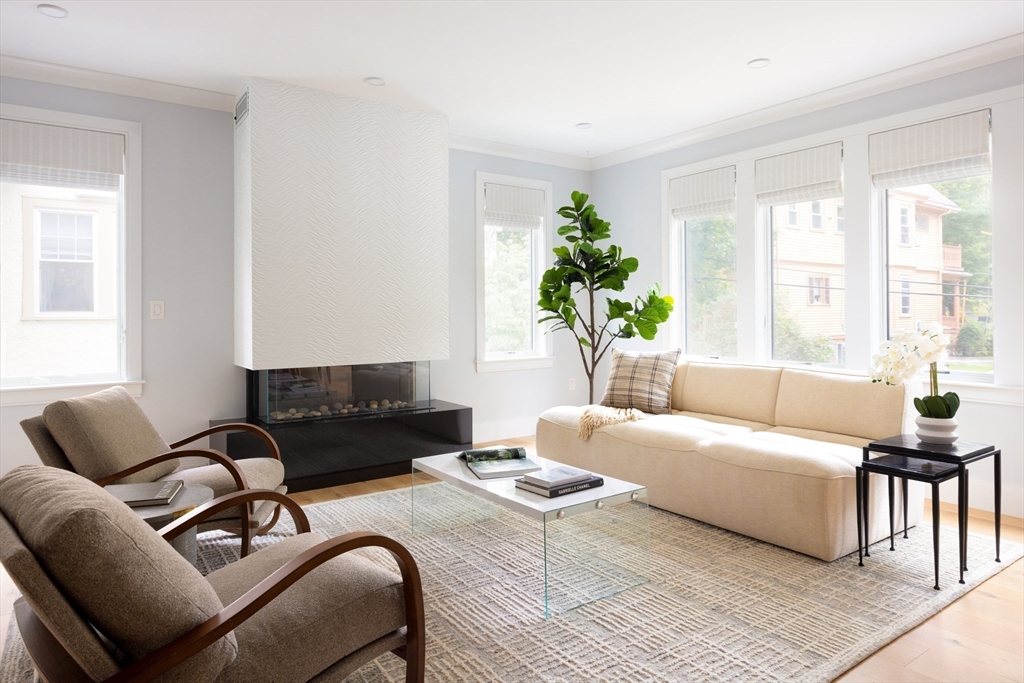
[{"x": 937, "y": 429}]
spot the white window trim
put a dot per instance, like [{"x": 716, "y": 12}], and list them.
[
  {"x": 542, "y": 355},
  {"x": 866, "y": 300},
  {"x": 820, "y": 215},
  {"x": 130, "y": 289},
  {"x": 904, "y": 211}
]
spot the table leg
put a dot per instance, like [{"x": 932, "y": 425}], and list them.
[
  {"x": 905, "y": 518},
  {"x": 967, "y": 510},
  {"x": 998, "y": 464},
  {"x": 960, "y": 484},
  {"x": 892, "y": 512},
  {"x": 860, "y": 530},
  {"x": 867, "y": 519},
  {"x": 935, "y": 530}
]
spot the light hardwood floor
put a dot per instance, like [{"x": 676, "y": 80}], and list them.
[{"x": 980, "y": 637}]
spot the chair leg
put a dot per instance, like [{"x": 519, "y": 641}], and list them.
[
  {"x": 892, "y": 512},
  {"x": 246, "y": 540}
]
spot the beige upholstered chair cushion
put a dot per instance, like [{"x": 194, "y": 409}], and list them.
[
  {"x": 260, "y": 473},
  {"x": 49, "y": 450},
  {"x": 51, "y": 607},
  {"x": 336, "y": 609},
  {"x": 112, "y": 567},
  {"x": 840, "y": 404},
  {"x": 641, "y": 380},
  {"x": 746, "y": 393},
  {"x": 107, "y": 432}
]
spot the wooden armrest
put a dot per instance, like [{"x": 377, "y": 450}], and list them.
[
  {"x": 275, "y": 452},
  {"x": 207, "y": 510},
  {"x": 207, "y": 633},
  {"x": 246, "y": 509}
]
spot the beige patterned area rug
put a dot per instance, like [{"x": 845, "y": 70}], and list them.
[{"x": 718, "y": 606}]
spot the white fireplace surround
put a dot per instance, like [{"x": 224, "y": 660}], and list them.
[{"x": 341, "y": 230}]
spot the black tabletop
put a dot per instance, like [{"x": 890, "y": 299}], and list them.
[
  {"x": 909, "y": 445},
  {"x": 926, "y": 470}
]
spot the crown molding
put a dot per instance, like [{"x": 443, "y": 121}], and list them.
[
  {"x": 981, "y": 55},
  {"x": 500, "y": 149},
  {"x": 56, "y": 74}
]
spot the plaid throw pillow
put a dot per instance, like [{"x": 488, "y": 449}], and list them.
[{"x": 641, "y": 380}]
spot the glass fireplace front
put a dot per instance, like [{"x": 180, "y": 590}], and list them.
[{"x": 339, "y": 391}]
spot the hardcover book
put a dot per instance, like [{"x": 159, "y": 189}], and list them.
[
  {"x": 557, "y": 476},
  {"x": 143, "y": 495},
  {"x": 554, "y": 492}
]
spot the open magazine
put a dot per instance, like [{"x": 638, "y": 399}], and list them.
[{"x": 497, "y": 462}]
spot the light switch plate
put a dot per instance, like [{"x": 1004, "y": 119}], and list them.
[{"x": 156, "y": 310}]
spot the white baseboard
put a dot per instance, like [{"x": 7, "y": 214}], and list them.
[{"x": 504, "y": 429}]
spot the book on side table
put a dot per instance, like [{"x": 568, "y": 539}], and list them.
[
  {"x": 144, "y": 495},
  {"x": 558, "y": 481},
  {"x": 498, "y": 462}
]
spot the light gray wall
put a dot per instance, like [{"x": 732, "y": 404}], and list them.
[
  {"x": 187, "y": 248},
  {"x": 505, "y": 404}
]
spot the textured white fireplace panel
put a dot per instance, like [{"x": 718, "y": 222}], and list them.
[{"x": 349, "y": 230}]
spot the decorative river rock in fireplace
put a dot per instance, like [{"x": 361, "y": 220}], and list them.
[{"x": 340, "y": 391}]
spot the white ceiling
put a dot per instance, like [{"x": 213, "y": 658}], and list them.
[{"x": 519, "y": 73}]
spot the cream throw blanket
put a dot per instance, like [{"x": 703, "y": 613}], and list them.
[{"x": 602, "y": 416}]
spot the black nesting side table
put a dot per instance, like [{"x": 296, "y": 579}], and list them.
[{"x": 906, "y": 457}]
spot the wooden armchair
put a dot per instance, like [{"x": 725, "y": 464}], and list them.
[
  {"x": 116, "y": 603},
  {"x": 107, "y": 438}
]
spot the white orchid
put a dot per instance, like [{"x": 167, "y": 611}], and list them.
[{"x": 899, "y": 359}]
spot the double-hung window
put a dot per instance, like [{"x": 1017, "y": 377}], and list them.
[
  {"x": 703, "y": 208},
  {"x": 840, "y": 219},
  {"x": 807, "y": 267},
  {"x": 64, "y": 316},
  {"x": 940, "y": 172},
  {"x": 514, "y": 217}
]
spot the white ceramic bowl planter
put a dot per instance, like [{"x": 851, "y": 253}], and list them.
[{"x": 937, "y": 429}]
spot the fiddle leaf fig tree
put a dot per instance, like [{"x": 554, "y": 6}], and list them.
[{"x": 583, "y": 269}]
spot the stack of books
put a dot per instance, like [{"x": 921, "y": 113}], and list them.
[{"x": 559, "y": 481}]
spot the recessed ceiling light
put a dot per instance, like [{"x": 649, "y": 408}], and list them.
[
  {"x": 52, "y": 11},
  {"x": 375, "y": 80},
  {"x": 584, "y": 126},
  {"x": 759, "y": 63}
]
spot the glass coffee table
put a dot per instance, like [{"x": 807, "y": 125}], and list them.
[{"x": 596, "y": 543}]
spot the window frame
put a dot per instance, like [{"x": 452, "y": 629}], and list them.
[
  {"x": 906, "y": 304},
  {"x": 819, "y": 216},
  {"x": 129, "y": 286},
  {"x": 905, "y": 227},
  {"x": 542, "y": 354},
  {"x": 792, "y": 217},
  {"x": 677, "y": 323},
  {"x": 819, "y": 283},
  {"x": 840, "y": 219}
]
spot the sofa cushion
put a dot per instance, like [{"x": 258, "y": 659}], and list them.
[
  {"x": 678, "y": 382},
  {"x": 337, "y": 608},
  {"x": 106, "y": 432},
  {"x": 775, "y": 452},
  {"x": 746, "y": 393},
  {"x": 839, "y": 404},
  {"x": 112, "y": 567},
  {"x": 641, "y": 380},
  {"x": 828, "y": 437},
  {"x": 722, "y": 420}
]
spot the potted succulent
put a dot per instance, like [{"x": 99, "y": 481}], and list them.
[{"x": 900, "y": 358}]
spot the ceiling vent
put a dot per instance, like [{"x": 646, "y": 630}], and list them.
[{"x": 242, "y": 108}]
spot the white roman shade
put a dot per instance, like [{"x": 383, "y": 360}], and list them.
[
  {"x": 815, "y": 173},
  {"x": 43, "y": 154},
  {"x": 509, "y": 206},
  {"x": 953, "y": 147},
  {"x": 711, "y": 193}
]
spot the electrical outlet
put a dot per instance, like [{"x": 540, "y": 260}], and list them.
[
  {"x": 572, "y": 384},
  {"x": 156, "y": 310}
]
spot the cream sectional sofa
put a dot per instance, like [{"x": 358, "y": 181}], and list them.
[{"x": 765, "y": 452}]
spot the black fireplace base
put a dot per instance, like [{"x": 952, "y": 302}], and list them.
[{"x": 321, "y": 453}]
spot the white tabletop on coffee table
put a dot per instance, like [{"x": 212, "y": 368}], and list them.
[{"x": 449, "y": 468}]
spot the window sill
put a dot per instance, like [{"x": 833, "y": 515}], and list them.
[
  {"x": 40, "y": 395},
  {"x": 978, "y": 392},
  {"x": 506, "y": 364}
]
